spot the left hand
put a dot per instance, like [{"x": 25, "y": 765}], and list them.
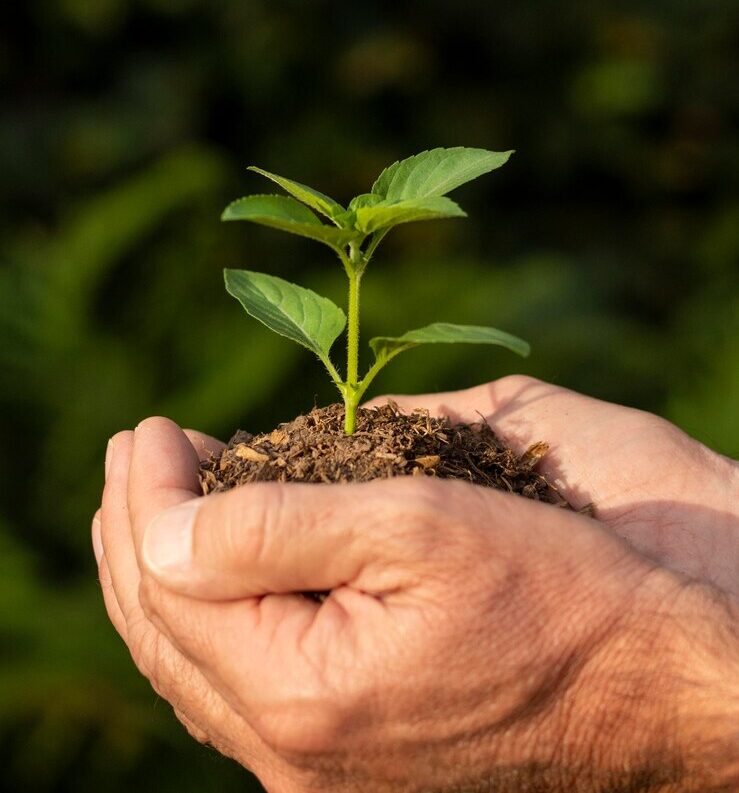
[
  {"x": 671, "y": 498},
  {"x": 471, "y": 637}
]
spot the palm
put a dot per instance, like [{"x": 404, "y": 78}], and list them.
[{"x": 667, "y": 495}]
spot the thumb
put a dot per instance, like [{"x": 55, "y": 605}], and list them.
[{"x": 267, "y": 538}]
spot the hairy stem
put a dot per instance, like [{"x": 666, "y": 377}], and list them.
[
  {"x": 376, "y": 239},
  {"x": 351, "y": 398},
  {"x": 351, "y": 403},
  {"x": 352, "y": 361},
  {"x": 370, "y": 376}
]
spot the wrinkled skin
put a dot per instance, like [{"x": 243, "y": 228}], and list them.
[{"x": 472, "y": 640}]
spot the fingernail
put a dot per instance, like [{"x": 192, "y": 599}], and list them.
[
  {"x": 167, "y": 544},
  {"x": 108, "y": 457},
  {"x": 97, "y": 541}
]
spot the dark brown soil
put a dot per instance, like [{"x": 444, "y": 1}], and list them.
[{"x": 314, "y": 448}]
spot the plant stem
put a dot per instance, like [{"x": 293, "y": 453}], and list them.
[
  {"x": 351, "y": 403},
  {"x": 351, "y": 399},
  {"x": 376, "y": 239},
  {"x": 352, "y": 361}
]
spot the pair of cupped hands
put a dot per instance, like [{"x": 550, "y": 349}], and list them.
[{"x": 472, "y": 640}]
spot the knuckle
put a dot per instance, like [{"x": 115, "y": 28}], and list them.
[
  {"x": 123, "y": 436},
  {"x": 193, "y": 730},
  {"x": 517, "y": 382},
  {"x": 301, "y": 730},
  {"x": 149, "y": 597},
  {"x": 104, "y": 578},
  {"x": 166, "y": 670},
  {"x": 154, "y": 422},
  {"x": 245, "y": 531},
  {"x": 417, "y": 511},
  {"x": 437, "y": 528},
  {"x": 423, "y": 500},
  {"x": 143, "y": 644}
]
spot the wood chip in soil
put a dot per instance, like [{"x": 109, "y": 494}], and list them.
[{"x": 314, "y": 448}]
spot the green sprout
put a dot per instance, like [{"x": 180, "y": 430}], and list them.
[{"x": 411, "y": 189}]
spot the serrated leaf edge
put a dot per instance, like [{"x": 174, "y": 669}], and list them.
[{"x": 288, "y": 198}]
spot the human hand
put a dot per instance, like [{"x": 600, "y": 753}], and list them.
[
  {"x": 472, "y": 640},
  {"x": 669, "y": 496}
]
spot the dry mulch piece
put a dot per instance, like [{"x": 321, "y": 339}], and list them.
[{"x": 386, "y": 443}]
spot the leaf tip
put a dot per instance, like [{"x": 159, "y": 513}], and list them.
[{"x": 228, "y": 212}]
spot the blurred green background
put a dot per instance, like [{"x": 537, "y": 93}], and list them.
[{"x": 610, "y": 241}]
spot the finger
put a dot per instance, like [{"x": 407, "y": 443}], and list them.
[
  {"x": 164, "y": 473},
  {"x": 280, "y": 538},
  {"x": 115, "y": 533},
  {"x": 187, "y": 689},
  {"x": 106, "y": 585},
  {"x": 97, "y": 540},
  {"x": 205, "y": 445},
  {"x": 408, "y": 403},
  {"x": 115, "y": 615},
  {"x": 170, "y": 673},
  {"x": 111, "y": 602},
  {"x": 243, "y": 649}
]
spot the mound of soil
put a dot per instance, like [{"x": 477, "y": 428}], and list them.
[{"x": 386, "y": 443}]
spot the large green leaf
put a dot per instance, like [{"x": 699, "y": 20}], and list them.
[
  {"x": 436, "y": 172},
  {"x": 290, "y": 310},
  {"x": 387, "y": 347},
  {"x": 286, "y": 214},
  {"x": 389, "y": 212},
  {"x": 313, "y": 198}
]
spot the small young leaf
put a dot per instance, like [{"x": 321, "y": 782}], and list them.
[
  {"x": 436, "y": 172},
  {"x": 313, "y": 198},
  {"x": 386, "y": 348},
  {"x": 364, "y": 200},
  {"x": 290, "y": 310},
  {"x": 390, "y": 212},
  {"x": 286, "y": 214}
]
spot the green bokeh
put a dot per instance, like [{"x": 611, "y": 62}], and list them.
[{"x": 610, "y": 241}]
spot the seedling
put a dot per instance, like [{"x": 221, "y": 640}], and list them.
[{"x": 409, "y": 190}]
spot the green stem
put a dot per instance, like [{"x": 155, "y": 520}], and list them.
[
  {"x": 369, "y": 377},
  {"x": 351, "y": 403},
  {"x": 377, "y": 238},
  {"x": 335, "y": 376},
  {"x": 351, "y": 400},
  {"x": 352, "y": 361}
]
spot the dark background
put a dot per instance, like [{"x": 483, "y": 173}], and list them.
[{"x": 610, "y": 241}]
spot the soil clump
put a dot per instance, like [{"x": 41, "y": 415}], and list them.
[{"x": 314, "y": 448}]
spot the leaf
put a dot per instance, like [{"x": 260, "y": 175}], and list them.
[
  {"x": 388, "y": 213},
  {"x": 288, "y": 309},
  {"x": 286, "y": 214},
  {"x": 364, "y": 200},
  {"x": 436, "y": 172},
  {"x": 348, "y": 218},
  {"x": 387, "y": 347},
  {"x": 313, "y": 198}
]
